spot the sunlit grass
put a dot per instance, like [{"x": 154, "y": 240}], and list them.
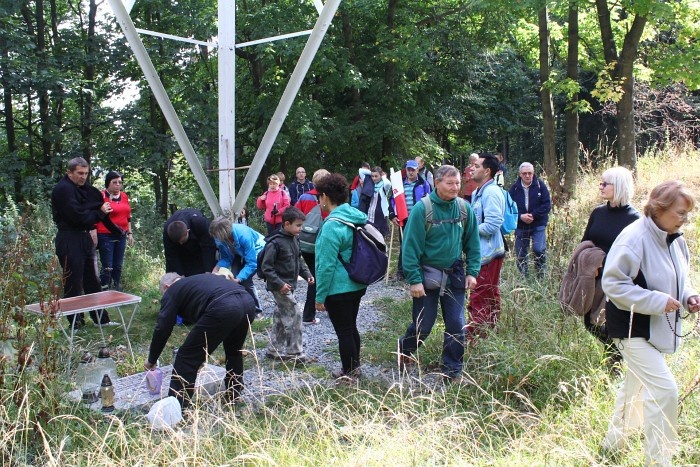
[{"x": 540, "y": 395}]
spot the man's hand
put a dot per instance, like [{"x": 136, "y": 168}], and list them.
[
  {"x": 286, "y": 288},
  {"x": 417, "y": 291},
  {"x": 527, "y": 218},
  {"x": 320, "y": 307},
  {"x": 694, "y": 304},
  {"x": 148, "y": 365},
  {"x": 470, "y": 283}
]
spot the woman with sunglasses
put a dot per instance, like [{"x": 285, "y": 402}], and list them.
[{"x": 604, "y": 225}]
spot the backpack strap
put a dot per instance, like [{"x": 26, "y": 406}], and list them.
[{"x": 463, "y": 213}]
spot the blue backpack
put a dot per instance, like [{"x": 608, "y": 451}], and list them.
[
  {"x": 510, "y": 217},
  {"x": 368, "y": 261}
]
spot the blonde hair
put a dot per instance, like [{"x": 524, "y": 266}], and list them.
[
  {"x": 623, "y": 185},
  {"x": 319, "y": 174},
  {"x": 664, "y": 195},
  {"x": 221, "y": 229}
]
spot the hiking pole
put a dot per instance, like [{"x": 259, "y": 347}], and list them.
[{"x": 391, "y": 247}]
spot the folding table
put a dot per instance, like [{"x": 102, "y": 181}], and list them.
[{"x": 86, "y": 303}]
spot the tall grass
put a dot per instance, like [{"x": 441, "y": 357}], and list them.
[{"x": 539, "y": 396}]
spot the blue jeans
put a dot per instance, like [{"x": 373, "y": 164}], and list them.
[
  {"x": 424, "y": 316},
  {"x": 538, "y": 235},
  {"x": 111, "y": 249}
]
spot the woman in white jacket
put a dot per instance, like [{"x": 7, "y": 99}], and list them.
[{"x": 646, "y": 280}]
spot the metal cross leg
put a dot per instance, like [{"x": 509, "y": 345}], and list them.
[{"x": 86, "y": 303}]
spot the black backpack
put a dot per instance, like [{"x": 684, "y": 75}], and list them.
[
  {"x": 368, "y": 261},
  {"x": 269, "y": 244}
]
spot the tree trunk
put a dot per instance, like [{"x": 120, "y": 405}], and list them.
[
  {"x": 550, "y": 155},
  {"x": 624, "y": 71},
  {"x": 389, "y": 78},
  {"x": 42, "y": 89},
  {"x": 627, "y": 146},
  {"x": 86, "y": 95},
  {"x": 572, "y": 142}
]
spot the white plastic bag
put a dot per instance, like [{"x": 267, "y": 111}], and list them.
[{"x": 166, "y": 413}]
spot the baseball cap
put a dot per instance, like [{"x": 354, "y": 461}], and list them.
[{"x": 411, "y": 164}]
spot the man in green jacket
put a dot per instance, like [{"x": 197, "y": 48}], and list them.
[{"x": 440, "y": 241}]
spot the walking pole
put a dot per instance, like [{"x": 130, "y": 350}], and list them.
[{"x": 391, "y": 247}]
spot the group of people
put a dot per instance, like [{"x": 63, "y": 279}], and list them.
[{"x": 451, "y": 243}]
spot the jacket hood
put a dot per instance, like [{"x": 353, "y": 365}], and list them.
[{"x": 349, "y": 214}]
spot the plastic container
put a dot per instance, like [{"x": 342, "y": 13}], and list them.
[{"x": 154, "y": 381}]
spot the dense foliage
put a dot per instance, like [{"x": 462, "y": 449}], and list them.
[{"x": 392, "y": 80}]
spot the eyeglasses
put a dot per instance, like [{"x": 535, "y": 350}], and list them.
[{"x": 604, "y": 184}]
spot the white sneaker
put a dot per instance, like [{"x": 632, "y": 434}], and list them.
[
  {"x": 315, "y": 321},
  {"x": 111, "y": 323}
]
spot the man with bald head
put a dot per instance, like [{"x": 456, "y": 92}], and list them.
[{"x": 300, "y": 185}]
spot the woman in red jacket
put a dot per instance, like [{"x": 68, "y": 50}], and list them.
[
  {"x": 112, "y": 246},
  {"x": 274, "y": 201}
]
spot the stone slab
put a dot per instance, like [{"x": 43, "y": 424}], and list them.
[{"x": 130, "y": 392}]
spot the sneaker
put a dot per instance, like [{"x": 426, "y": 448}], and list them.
[
  {"x": 315, "y": 321},
  {"x": 111, "y": 323}
]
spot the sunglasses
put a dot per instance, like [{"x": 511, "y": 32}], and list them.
[{"x": 604, "y": 184}]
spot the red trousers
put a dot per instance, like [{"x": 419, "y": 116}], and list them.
[{"x": 485, "y": 300}]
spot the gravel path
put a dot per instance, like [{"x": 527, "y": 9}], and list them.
[{"x": 320, "y": 345}]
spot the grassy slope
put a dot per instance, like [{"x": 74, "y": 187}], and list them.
[{"x": 541, "y": 395}]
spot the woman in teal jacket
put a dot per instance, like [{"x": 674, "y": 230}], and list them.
[{"x": 336, "y": 293}]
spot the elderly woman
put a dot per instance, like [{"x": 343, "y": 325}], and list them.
[
  {"x": 646, "y": 282},
  {"x": 604, "y": 225},
  {"x": 336, "y": 293}
]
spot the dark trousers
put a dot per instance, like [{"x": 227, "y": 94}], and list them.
[
  {"x": 236, "y": 267},
  {"x": 342, "y": 311},
  {"x": 310, "y": 304},
  {"x": 225, "y": 320},
  {"x": 111, "y": 248},
  {"x": 78, "y": 258}
]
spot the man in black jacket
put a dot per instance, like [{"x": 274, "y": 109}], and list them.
[
  {"x": 221, "y": 311},
  {"x": 76, "y": 208},
  {"x": 188, "y": 247}
]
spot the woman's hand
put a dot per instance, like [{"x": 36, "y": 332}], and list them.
[
  {"x": 148, "y": 365},
  {"x": 320, "y": 307},
  {"x": 694, "y": 304},
  {"x": 672, "y": 305}
]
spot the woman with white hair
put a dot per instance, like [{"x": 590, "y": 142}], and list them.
[{"x": 604, "y": 225}]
